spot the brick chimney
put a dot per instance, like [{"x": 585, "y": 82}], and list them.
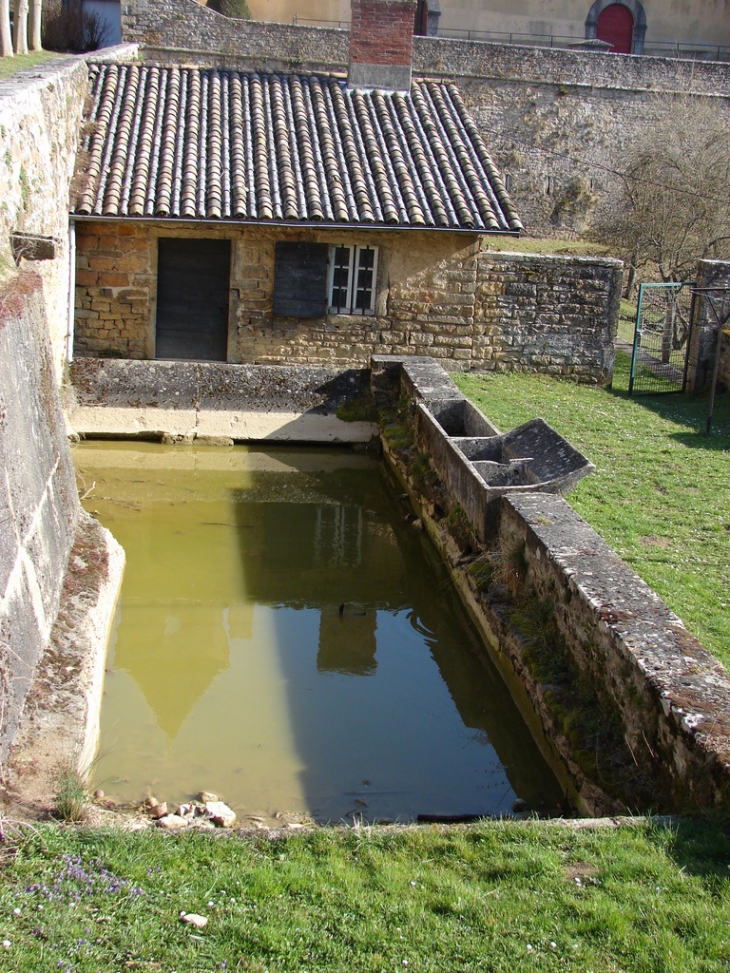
[{"x": 381, "y": 44}]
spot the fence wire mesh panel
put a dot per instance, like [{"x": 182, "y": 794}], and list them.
[{"x": 661, "y": 338}]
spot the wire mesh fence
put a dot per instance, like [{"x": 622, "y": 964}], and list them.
[{"x": 661, "y": 338}]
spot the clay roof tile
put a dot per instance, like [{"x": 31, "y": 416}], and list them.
[{"x": 195, "y": 143}]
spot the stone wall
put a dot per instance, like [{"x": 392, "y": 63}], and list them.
[
  {"x": 171, "y": 29},
  {"x": 167, "y": 25},
  {"x": 40, "y": 111},
  {"x": 715, "y": 275},
  {"x": 39, "y": 507},
  {"x": 439, "y": 294},
  {"x": 556, "y": 121},
  {"x": 637, "y": 711},
  {"x": 671, "y": 694}
]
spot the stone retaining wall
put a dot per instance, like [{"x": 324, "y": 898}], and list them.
[
  {"x": 169, "y": 25},
  {"x": 439, "y": 294},
  {"x": 672, "y": 695},
  {"x": 40, "y": 112},
  {"x": 39, "y": 507}
]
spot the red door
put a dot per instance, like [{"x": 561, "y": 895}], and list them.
[{"x": 616, "y": 27}]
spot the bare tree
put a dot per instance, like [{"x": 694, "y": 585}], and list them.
[
  {"x": 36, "y": 15},
  {"x": 20, "y": 27},
  {"x": 672, "y": 207},
  {"x": 6, "y": 42}
]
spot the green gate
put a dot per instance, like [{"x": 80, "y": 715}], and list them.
[{"x": 661, "y": 338}]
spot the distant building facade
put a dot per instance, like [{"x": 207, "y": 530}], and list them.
[{"x": 627, "y": 26}]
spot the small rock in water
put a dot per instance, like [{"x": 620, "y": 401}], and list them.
[
  {"x": 98, "y": 794},
  {"x": 159, "y": 810},
  {"x": 220, "y": 814},
  {"x": 152, "y": 801},
  {"x": 206, "y": 796},
  {"x": 172, "y": 822},
  {"x": 193, "y": 919}
]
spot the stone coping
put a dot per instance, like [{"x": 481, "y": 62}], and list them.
[{"x": 214, "y": 402}]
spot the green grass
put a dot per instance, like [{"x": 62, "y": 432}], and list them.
[
  {"x": 660, "y": 495},
  {"x": 11, "y": 65},
  {"x": 545, "y": 245},
  {"x": 492, "y": 897},
  {"x": 627, "y": 321},
  {"x": 71, "y": 798}
]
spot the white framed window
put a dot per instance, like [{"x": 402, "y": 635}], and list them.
[{"x": 352, "y": 278}]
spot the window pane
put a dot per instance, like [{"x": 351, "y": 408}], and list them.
[
  {"x": 364, "y": 287},
  {"x": 340, "y": 278}
]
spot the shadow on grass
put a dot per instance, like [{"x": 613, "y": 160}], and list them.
[
  {"x": 678, "y": 407},
  {"x": 698, "y": 847}
]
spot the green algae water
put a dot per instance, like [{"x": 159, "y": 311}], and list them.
[{"x": 287, "y": 640}]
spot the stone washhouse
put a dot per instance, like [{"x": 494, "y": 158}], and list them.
[{"x": 314, "y": 219}]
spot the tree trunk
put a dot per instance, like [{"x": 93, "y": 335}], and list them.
[
  {"x": 668, "y": 331},
  {"x": 6, "y": 43},
  {"x": 36, "y": 7},
  {"x": 20, "y": 27},
  {"x": 630, "y": 282}
]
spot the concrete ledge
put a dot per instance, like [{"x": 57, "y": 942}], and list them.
[
  {"x": 60, "y": 725},
  {"x": 216, "y": 402}
]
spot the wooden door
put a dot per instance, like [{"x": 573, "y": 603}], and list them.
[
  {"x": 616, "y": 27},
  {"x": 192, "y": 299}
]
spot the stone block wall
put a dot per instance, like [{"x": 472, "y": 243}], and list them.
[
  {"x": 547, "y": 313},
  {"x": 672, "y": 695},
  {"x": 40, "y": 112},
  {"x": 169, "y": 29},
  {"x": 115, "y": 282},
  {"x": 438, "y": 294},
  {"x": 715, "y": 275},
  {"x": 39, "y": 508}
]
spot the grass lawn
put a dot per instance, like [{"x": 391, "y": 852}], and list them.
[
  {"x": 660, "y": 495},
  {"x": 492, "y": 897},
  {"x": 11, "y": 65},
  {"x": 545, "y": 245}
]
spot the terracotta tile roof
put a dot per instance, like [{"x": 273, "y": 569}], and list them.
[{"x": 192, "y": 143}]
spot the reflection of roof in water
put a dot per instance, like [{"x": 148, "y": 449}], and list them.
[{"x": 190, "y": 649}]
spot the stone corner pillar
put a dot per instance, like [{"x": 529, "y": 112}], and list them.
[{"x": 703, "y": 339}]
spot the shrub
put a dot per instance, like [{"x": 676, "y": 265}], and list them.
[
  {"x": 235, "y": 9},
  {"x": 67, "y": 27}
]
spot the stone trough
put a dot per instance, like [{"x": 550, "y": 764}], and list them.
[{"x": 476, "y": 462}]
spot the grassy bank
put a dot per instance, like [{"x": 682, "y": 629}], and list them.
[
  {"x": 661, "y": 491},
  {"x": 11, "y": 65},
  {"x": 492, "y": 897}
]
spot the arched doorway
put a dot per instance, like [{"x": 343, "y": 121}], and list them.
[{"x": 616, "y": 27}]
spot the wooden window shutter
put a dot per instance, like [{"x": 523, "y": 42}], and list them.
[{"x": 300, "y": 280}]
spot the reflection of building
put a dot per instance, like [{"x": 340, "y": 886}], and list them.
[
  {"x": 218, "y": 542},
  {"x": 347, "y": 641}
]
